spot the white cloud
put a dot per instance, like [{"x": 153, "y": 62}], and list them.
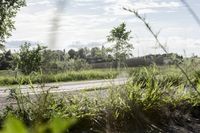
[
  {"x": 36, "y": 3},
  {"x": 153, "y": 4},
  {"x": 147, "y": 6}
]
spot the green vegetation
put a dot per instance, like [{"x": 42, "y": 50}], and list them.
[
  {"x": 122, "y": 49},
  {"x": 56, "y": 125},
  {"x": 8, "y": 78},
  {"x": 155, "y": 99},
  {"x": 29, "y": 60},
  {"x": 6, "y": 60},
  {"x": 8, "y": 10},
  {"x": 147, "y": 103}
]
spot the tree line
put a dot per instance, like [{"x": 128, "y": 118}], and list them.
[{"x": 29, "y": 59}]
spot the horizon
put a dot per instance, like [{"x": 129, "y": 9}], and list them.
[{"x": 87, "y": 23}]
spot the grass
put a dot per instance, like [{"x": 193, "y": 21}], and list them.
[
  {"x": 8, "y": 78},
  {"x": 150, "y": 102}
]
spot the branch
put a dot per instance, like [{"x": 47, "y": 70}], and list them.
[{"x": 191, "y": 12}]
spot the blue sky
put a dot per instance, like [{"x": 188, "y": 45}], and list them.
[{"x": 88, "y": 22}]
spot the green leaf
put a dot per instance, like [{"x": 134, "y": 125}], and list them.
[
  {"x": 59, "y": 125},
  {"x": 13, "y": 125}
]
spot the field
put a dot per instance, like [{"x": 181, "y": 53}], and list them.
[
  {"x": 7, "y": 77},
  {"x": 156, "y": 99}
]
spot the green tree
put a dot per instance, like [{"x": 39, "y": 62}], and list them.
[
  {"x": 72, "y": 54},
  {"x": 8, "y": 10},
  {"x": 83, "y": 53},
  {"x": 77, "y": 64},
  {"x": 121, "y": 48},
  {"x": 96, "y": 52},
  {"x": 6, "y": 60},
  {"x": 30, "y": 60},
  {"x": 54, "y": 60}
]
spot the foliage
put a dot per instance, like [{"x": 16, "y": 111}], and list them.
[
  {"x": 12, "y": 125},
  {"x": 54, "y": 61},
  {"x": 6, "y": 60},
  {"x": 77, "y": 64},
  {"x": 95, "y": 52},
  {"x": 8, "y": 77},
  {"x": 91, "y": 55},
  {"x": 8, "y": 10},
  {"x": 141, "y": 107},
  {"x": 72, "y": 54},
  {"x": 82, "y": 53},
  {"x": 29, "y": 60},
  {"x": 164, "y": 74},
  {"x": 122, "y": 48},
  {"x": 53, "y": 56},
  {"x": 56, "y": 125},
  {"x": 144, "y": 61}
]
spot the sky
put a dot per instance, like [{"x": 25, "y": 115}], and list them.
[{"x": 86, "y": 23}]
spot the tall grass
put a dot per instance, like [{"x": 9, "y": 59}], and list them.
[
  {"x": 60, "y": 77},
  {"x": 138, "y": 106}
]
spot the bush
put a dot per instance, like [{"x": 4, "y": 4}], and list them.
[
  {"x": 77, "y": 64},
  {"x": 29, "y": 60}
]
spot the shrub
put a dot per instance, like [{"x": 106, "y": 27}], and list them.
[
  {"x": 29, "y": 60},
  {"x": 77, "y": 64}
]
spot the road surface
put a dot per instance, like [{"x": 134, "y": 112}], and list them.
[
  {"x": 60, "y": 87},
  {"x": 65, "y": 86}
]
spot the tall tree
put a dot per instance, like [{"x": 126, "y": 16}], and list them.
[
  {"x": 8, "y": 10},
  {"x": 122, "y": 48}
]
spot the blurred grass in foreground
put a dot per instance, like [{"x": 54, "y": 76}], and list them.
[{"x": 151, "y": 101}]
